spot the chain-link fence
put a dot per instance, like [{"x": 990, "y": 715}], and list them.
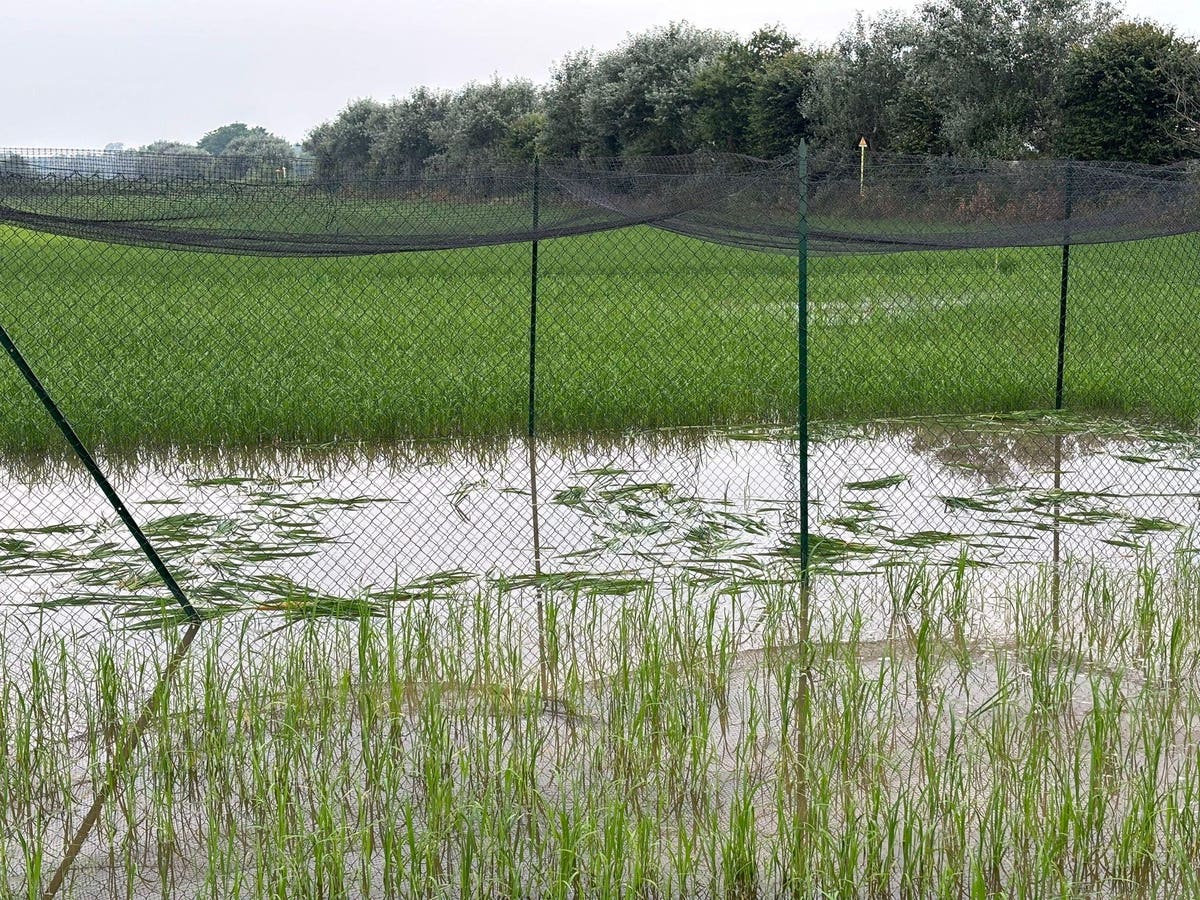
[{"x": 527, "y": 404}]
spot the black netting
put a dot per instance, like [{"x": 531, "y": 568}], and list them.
[{"x": 899, "y": 203}]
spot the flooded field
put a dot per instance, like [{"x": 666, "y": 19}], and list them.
[
  {"x": 334, "y": 530},
  {"x": 667, "y": 751},
  {"x": 424, "y": 677}
]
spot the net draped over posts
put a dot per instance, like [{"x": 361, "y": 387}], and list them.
[
  {"x": 914, "y": 203},
  {"x": 202, "y": 308}
]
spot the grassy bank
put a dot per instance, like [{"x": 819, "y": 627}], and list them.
[
  {"x": 636, "y": 329},
  {"x": 1037, "y": 744}
]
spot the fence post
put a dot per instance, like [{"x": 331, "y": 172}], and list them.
[
  {"x": 68, "y": 431},
  {"x": 533, "y": 291},
  {"x": 1063, "y": 285},
  {"x": 802, "y": 354},
  {"x": 531, "y": 434},
  {"x": 531, "y": 423}
]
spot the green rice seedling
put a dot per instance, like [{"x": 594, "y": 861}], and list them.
[
  {"x": 956, "y": 739},
  {"x": 642, "y": 329}
]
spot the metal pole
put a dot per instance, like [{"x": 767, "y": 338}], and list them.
[
  {"x": 1064, "y": 284},
  {"x": 531, "y": 432},
  {"x": 862, "y": 166},
  {"x": 802, "y": 335},
  {"x": 531, "y": 426},
  {"x": 94, "y": 470}
]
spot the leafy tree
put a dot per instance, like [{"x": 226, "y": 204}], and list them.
[
  {"x": 563, "y": 132},
  {"x": 524, "y": 136},
  {"x": 641, "y": 98},
  {"x": 174, "y": 159},
  {"x": 915, "y": 120},
  {"x": 218, "y": 139},
  {"x": 1119, "y": 97},
  {"x": 994, "y": 66},
  {"x": 727, "y": 91},
  {"x": 1184, "y": 77},
  {"x": 778, "y": 117},
  {"x": 481, "y": 116},
  {"x": 771, "y": 42},
  {"x": 976, "y": 77},
  {"x": 259, "y": 155},
  {"x": 412, "y": 134},
  {"x": 402, "y": 137},
  {"x": 173, "y": 148},
  {"x": 855, "y": 87},
  {"x": 344, "y": 145},
  {"x": 723, "y": 93}
]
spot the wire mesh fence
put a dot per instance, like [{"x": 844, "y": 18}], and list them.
[{"x": 511, "y": 430}]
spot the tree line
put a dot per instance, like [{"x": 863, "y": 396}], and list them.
[
  {"x": 237, "y": 150},
  {"x": 988, "y": 78},
  {"x": 248, "y": 150}
]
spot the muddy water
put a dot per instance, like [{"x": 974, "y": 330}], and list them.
[{"x": 349, "y": 525}]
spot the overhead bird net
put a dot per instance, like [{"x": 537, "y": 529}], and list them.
[{"x": 243, "y": 206}]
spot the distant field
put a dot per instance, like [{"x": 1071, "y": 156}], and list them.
[{"x": 636, "y": 328}]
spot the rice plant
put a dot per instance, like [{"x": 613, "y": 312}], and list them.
[
  {"x": 919, "y": 735},
  {"x": 636, "y": 329}
]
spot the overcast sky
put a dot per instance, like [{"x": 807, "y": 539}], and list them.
[{"x": 82, "y": 73}]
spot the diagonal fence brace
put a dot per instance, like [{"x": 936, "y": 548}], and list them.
[{"x": 89, "y": 463}]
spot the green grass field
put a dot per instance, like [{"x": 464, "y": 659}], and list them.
[{"x": 636, "y": 329}]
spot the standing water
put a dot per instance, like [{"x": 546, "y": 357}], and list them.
[{"x": 332, "y": 529}]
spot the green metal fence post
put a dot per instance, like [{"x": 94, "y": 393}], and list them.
[
  {"x": 531, "y": 423},
  {"x": 68, "y": 431},
  {"x": 531, "y": 433},
  {"x": 802, "y": 335},
  {"x": 1065, "y": 273},
  {"x": 533, "y": 291}
]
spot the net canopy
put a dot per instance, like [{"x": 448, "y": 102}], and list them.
[{"x": 897, "y": 203}]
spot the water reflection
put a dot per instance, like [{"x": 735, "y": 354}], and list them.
[{"x": 334, "y": 528}]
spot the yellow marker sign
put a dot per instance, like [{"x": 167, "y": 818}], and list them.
[{"x": 862, "y": 167}]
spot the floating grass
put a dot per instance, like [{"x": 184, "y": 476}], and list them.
[{"x": 876, "y": 484}]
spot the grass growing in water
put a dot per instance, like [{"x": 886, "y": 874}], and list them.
[
  {"x": 637, "y": 329},
  {"x": 958, "y": 745}
]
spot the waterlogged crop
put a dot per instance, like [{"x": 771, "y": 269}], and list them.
[{"x": 921, "y": 733}]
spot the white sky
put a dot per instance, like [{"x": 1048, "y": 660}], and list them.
[{"x": 81, "y": 73}]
